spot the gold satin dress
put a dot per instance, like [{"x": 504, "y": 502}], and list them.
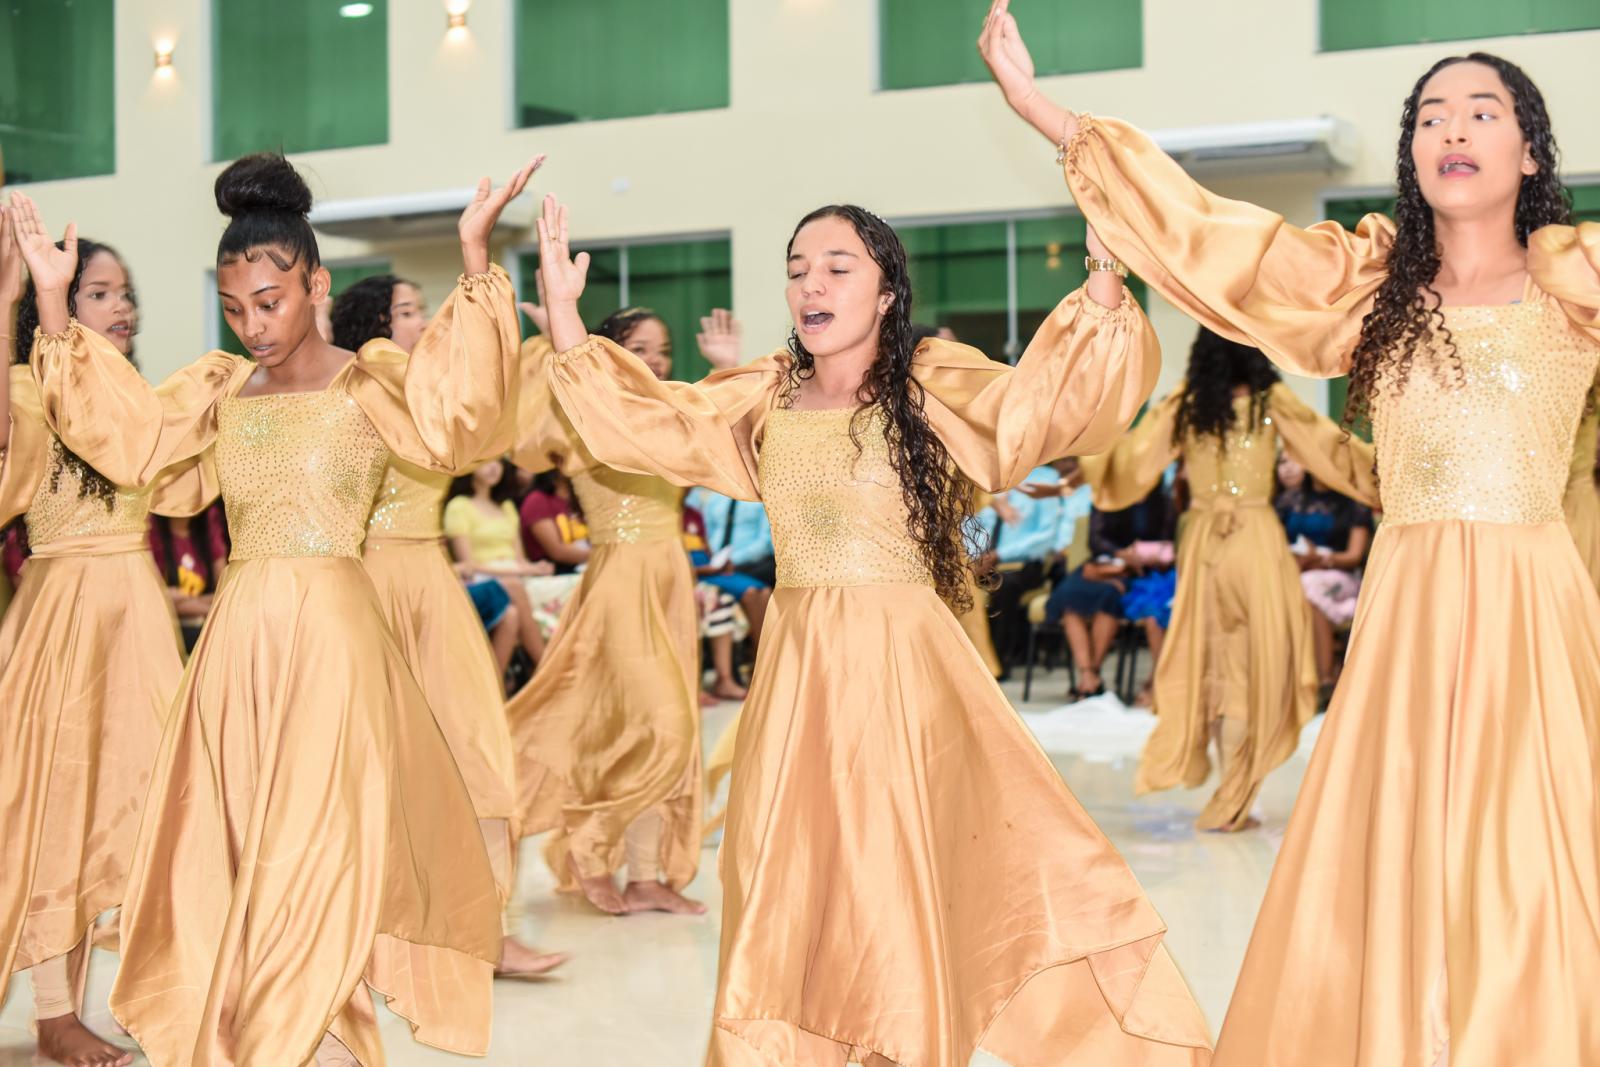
[
  {"x": 1581, "y": 504},
  {"x": 905, "y": 876},
  {"x": 90, "y": 660},
  {"x": 1238, "y": 653},
  {"x": 1439, "y": 883},
  {"x": 443, "y": 642},
  {"x": 307, "y": 828}
]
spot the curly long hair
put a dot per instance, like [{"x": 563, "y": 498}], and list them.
[
  {"x": 91, "y": 483},
  {"x": 937, "y": 495},
  {"x": 361, "y": 312},
  {"x": 1405, "y": 314},
  {"x": 1218, "y": 366}
]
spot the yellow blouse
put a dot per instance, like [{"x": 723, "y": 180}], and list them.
[
  {"x": 493, "y": 539},
  {"x": 298, "y": 471},
  {"x": 1492, "y": 448},
  {"x": 837, "y": 515}
]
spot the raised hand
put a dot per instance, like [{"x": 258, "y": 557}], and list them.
[
  {"x": 721, "y": 339},
  {"x": 52, "y": 268},
  {"x": 10, "y": 265},
  {"x": 538, "y": 314},
  {"x": 564, "y": 276},
  {"x": 1006, "y": 54},
  {"x": 480, "y": 216}
]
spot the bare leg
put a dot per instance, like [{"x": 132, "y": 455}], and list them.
[
  {"x": 530, "y": 637},
  {"x": 62, "y": 1036},
  {"x": 1322, "y": 638},
  {"x": 517, "y": 960},
  {"x": 504, "y": 637},
  {"x": 726, "y": 687},
  {"x": 646, "y": 891},
  {"x": 755, "y": 611},
  {"x": 1077, "y": 633}
]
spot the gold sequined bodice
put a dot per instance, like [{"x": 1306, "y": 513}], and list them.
[
  {"x": 838, "y": 517},
  {"x": 410, "y": 505},
  {"x": 1497, "y": 446},
  {"x": 1243, "y": 468},
  {"x": 622, "y": 508},
  {"x": 61, "y": 511},
  {"x": 299, "y": 472}
]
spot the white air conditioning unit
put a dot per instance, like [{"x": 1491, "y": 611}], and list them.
[
  {"x": 410, "y": 216},
  {"x": 1324, "y": 143}
]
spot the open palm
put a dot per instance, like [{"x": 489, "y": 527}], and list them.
[
  {"x": 1005, "y": 53},
  {"x": 52, "y": 268},
  {"x": 564, "y": 276},
  {"x": 480, "y": 216}
]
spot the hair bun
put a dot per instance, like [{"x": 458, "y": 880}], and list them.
[{"x": 261, "y": 183}]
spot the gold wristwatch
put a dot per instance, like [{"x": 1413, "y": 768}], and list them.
[{"x": 1115, "y": 266}]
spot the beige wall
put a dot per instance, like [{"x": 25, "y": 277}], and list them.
[{"x": 805, "y": 127}]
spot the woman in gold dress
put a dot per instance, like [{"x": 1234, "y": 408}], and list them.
[
  {"x": 1581, "y": 504},
  {"x": 306, "y": 826},
  {"x": 1238, "y": 668},
  {"x": 607, "y": 733},
  {"x": 430, "y": 613},
  {"x": 89, "y": 663},
  {"x": 905, "y": 876},
  {"x": 1437, "y": 897}
]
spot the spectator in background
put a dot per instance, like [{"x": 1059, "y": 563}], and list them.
[
  {"x": 741, "y": 528},
  {"x": 720, "y": 624},
  {"x": 1018, "y": 531},
  {"x": 190, "y": 554},
  {"x": 552, "y": 527},
  {"x": 1329, "y": 535},
  {"x": 485, "y": 535}
]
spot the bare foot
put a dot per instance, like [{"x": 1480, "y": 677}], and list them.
[
  {"x": 1249, "y": 822},
  {"x": 601, "y": 891},
  {"x": 707, "y": 700},
  {"x": 653, "y": 896},
  {"x": 66, "y": 1040},
  {"x": 523, "y": 961},
  {"x": 729, "y": 690}
]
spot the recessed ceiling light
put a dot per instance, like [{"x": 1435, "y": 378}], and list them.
[{"x": 355, "y": 11}]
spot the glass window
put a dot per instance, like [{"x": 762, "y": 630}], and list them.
[
  {"x": 1348, "y": 24},
  {"x": 581, "y": 60},
  {"x": 57, "y": 112},
  {"x": 298, "y": 76},
  {"x": 961, "y": 277},
  {"x": 678, "y": 280},
  {"x": 930, "y": 42},
  {"x": 342, "y": 275}
]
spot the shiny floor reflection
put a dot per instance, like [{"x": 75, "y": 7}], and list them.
[{"x": 638, "y": 990}]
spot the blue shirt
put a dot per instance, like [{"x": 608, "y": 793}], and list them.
[
  {"x": 1034, "y": 535},
  {"x": 751, "y": 539},
  {"x": 1074, "y": 509}
]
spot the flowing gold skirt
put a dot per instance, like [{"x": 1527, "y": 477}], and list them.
[
  {"x": 441, "y": 639},
  {"x": 89, "y": 664},
  {"x": 306, "y": 828},
  {"x": 1582, "y": 505},
  {"x": 609, "y": 728},
  {"x": 1440, "y": 878},
  {"x": 906, "y": 877},
  {"x": 1239, "y": 647}
]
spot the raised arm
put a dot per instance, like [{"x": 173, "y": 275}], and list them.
[
  {"x": 26, "y": 457},
  {"x": 10, "y": 298},
  {"x": 1297, "y": 294},
  {"x": 1079, "y": 384},
  {"x": 1339, "y": 459},
  {"x": 1125, "y": 473},
  {"x": 1565, "y": 262},
  {"x": 701, "y": 434}
]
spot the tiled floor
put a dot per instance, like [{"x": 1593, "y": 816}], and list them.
[{"x": 638, "y": 990}]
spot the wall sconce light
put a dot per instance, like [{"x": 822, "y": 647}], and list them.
[
  {"x": 456, "y": 13},
  {"x": 164, "y": 58}
]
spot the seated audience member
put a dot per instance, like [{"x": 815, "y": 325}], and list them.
[
  {"x": 720, "y": 621},
  {"x": 485, "y": 535},
  {"x": 1018, "y": 532},
  {"x": 190, "y": 554},
  {"x": 740, "y": 527}
]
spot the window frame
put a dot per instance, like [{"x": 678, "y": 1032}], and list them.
[{"x": 116, "y": 113}]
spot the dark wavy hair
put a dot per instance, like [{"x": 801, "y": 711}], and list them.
[
  {"x": 500, "y": 492},
  {"x": 1218, "y": 366},
  {"x": 1405, "y": 314},
  {"x": 91, "y": 483},
  {"x": 618, "y": 326},
  {"x": 266, "y": 202},
  {"x": 937, "y": 495},
  {"x": 361, "y": 312}
]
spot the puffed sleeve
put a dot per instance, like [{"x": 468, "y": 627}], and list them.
[
  {"x": 700, "y": 434},
  {"x": 544, "y": 439},
  {"x": 441, "y": 408},
  {"x": 186, "y": 489},
  {"x": 1081, "y": 381},
  {"x": 121, "y": 425},
  {"x": 1125, "y": 473},
  {"x": 1565, "y": 262},
  {"x": 1340, "y": 460},
  {"x": 25, "y": 459},
  {"x": 1299, "y": 295}
]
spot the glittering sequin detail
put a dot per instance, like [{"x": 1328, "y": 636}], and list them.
[
  {"x": 54, "y": 516},
  {"x": 628, "y": 509},
  {"x": 1495, "y": 448},
  {"x": 1243, "y": 468},
  {"x": 837, "y": 514},
  {"x": 410, "y": 505},
  {"x": 299, "y": 472}
]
